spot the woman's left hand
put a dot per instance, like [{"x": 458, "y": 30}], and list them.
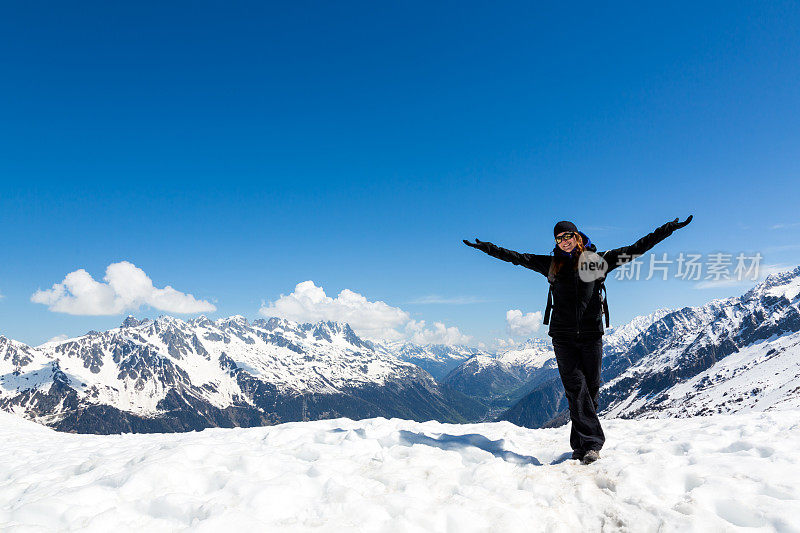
[{"x": 677, "y": 225}]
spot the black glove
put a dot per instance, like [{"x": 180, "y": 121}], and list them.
[
  {"x": 477, "y": 244},
  {"x": 678, "y": 225}
]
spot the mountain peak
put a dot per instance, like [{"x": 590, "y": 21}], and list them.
[
  {"x": 238, "y": 320},
  {"x": 130, "y": 322},
  {"x": 166, "y": 321},
  {"x": 786, "y": 284},
  {"x": 201, "y": 320},
  {"x": 626, "y": 332},
  {"x": 333, "y": 327},
  {"x": 274, "y": 322}
]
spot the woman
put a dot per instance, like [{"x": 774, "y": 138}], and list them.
[{"x": 576, "y": 326}]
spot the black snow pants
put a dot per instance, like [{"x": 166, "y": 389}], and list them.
[{"x": 579, "y": 361}]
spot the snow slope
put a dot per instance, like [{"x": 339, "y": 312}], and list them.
[
  {"x": 764, "y": 376},
  {"x": 714, "y": 473}
]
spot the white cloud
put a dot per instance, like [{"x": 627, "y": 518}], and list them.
[
  {"x": 309, "y": 303},
  {"x": 372, "y": 320},
  {"x": 505, "y": 344},
  {"x": 439, "y": 334},
  {"x": 768, "y": 270},
  {"x": 785, "y": 225},
  {"x": 126, "y": 288},
  {"x": 59, "y": 338},
  {"x": 520, "y": 325}
]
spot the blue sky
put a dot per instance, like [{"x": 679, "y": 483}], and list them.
[{"x": 235, "y": 151}]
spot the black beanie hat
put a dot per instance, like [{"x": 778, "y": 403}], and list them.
[{"x": 564, "y": 225}]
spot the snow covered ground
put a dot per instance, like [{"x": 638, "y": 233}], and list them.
[{"x": 716, "y": 473}]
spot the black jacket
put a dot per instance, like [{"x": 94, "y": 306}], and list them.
[{"x": 577, "y": 305}]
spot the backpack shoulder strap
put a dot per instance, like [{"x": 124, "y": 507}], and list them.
[
  {"x": 546, "y": 319},
  {"x": 604, "y": 297},
  {"x": 550, "y": 280}
]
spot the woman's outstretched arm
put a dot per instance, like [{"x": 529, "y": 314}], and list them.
[
  {"x": 539, "y": 263},
  {"x": 619, "y": 256}
]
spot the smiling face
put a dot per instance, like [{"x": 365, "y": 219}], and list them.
[{"x": 567, "y": 244}]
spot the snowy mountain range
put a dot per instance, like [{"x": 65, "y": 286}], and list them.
[
  {"x": 436, "y": 359},
  {"x": 500, "y": 380},
  {"x": 172, "y": 375},
  {"x": 726, "y": 356}
]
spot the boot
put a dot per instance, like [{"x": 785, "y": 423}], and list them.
[{"x": 590, "y": 457}]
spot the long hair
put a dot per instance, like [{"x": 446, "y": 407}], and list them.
[{"x": 560, "y": 260}]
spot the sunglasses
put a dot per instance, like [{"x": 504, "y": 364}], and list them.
[{"x": 565, "y": 236}]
